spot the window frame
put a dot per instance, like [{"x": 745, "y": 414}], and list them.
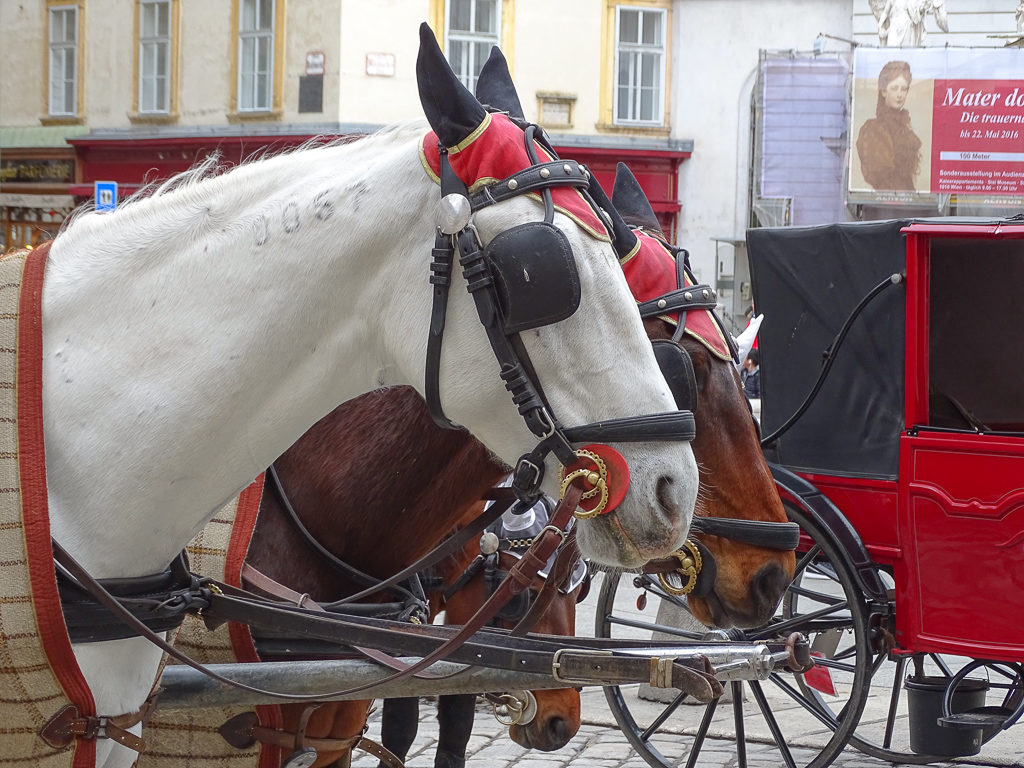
[
  {"x": 73, "y": 51},
  {"x": 471, "y": 38},
  {"x": 139, "y": 112},
  {"x": 636, "y": 50},
  {"x": 275, "y": 72}
]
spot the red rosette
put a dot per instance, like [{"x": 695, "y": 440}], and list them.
[{"x": 616, "y": 477}]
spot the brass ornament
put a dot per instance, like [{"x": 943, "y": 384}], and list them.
[
  {"x": 690, "y": 563},
  {"x": 596, "y": 479}
]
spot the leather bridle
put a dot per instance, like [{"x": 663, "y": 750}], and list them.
[{"x": 455, "y": 230}]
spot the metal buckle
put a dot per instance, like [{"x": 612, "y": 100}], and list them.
[
  {"x": 556, "y": 666},
  {"x": 543, "y": 415},
  {"x": 524, "y": 464},
  {"x": 561, "y": 534}
]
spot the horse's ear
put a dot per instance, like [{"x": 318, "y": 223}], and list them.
[
  {"x": 631, "y": 201},
  {"x": 495, "y": 88},
  {"x": 623, "y": 239},
  {"x": 452, "y": 111}
]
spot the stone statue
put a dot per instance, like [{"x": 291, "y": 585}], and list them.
[{"x": 901, "y": 22}]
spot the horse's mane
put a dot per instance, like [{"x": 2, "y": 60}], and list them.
[
  {"x": 221, "y": 205},
  {"x": 188, "y": 184}
]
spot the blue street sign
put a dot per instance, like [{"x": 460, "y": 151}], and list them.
[{"x": 106, "y": 196}]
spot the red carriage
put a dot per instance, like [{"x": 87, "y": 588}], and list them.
[{"x": 894, "y": 424}]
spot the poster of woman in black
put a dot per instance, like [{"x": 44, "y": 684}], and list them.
[{"x": 888, "y": 148}]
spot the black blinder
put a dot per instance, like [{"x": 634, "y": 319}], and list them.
[
  {"x": 677, "y": 368},
  {"x": 517, "y": 605},
  {"x": 516, "y": 608},
  {"x": 535, "y": 276}
]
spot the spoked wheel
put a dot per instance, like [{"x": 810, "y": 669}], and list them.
[
  {"x": 994, "y": 690},
  {"x": 823, "y": 602}
]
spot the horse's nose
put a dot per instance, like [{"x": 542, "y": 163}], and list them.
[
  {"x": 767, "y": 587},
  {"x": 557, "y": 734}
]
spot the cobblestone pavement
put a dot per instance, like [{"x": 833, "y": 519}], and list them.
[{"x": 600, "y": 742}]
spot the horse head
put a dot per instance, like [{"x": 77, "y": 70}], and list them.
[
  {"x": 533, "y": 250},
  {"x": 735, "y": 481},
  {"x": 477, "y": 571}
]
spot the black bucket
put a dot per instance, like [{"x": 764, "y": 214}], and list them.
[{"x": 924, "y": 701}]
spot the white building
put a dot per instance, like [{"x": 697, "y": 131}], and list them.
[{"x": 135, "y": 90}]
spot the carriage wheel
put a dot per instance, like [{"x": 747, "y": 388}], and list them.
[{"x": 823, "y": 602}]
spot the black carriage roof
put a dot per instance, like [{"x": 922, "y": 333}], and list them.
[
  {"x": 950, "y": 222},
  {"x": 806, "y": 281}
]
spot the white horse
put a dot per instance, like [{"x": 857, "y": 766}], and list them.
[{"x": 192, "y": 336}]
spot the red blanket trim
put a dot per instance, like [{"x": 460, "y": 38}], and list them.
[
  {"x": 496, "y": 150},
  {"x": 35, "y": 510},
  {"x": 241, "y": 638},
  {"x": 651, "y": 272}
]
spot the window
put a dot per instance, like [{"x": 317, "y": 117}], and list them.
[
  {"x": 473, "y": 27},
  {"x": 256, "y": 55},
  {"x": 63, "y": 62},
  {"x": 154, "y": 56},
  {"x": 639, "y": 65}
]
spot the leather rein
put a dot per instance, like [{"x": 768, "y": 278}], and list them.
[{"x": 217, "y": 602}]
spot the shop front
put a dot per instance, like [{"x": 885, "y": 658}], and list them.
[
  {"x": 138, "y": 159},
  {"x": 34, "y": 190},
  {"x": 655, "y": 165}
]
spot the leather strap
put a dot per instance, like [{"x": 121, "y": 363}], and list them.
[
  {"x": 276, "y": 589},
  {"x": 442, "y": 257},
  {"x": 539, "y": 176},
  {"x": 564, "y": 563},
  {"x": 243, "y": 730},
  {"x": 680, "y": 300},
  {"x": 67, "y": 725},
  {"x": 761, "y": 533},
  {"x": 670, "y": 426}
]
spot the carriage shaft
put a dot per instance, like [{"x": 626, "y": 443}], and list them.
[{"x": 187, "y": 688}]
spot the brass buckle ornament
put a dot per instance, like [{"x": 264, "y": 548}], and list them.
[
  {"x": 690, "y": 563},
  {"x": 597, "y": 479}
]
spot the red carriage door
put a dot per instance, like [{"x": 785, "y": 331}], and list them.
[{"x": 961, "y": 511}]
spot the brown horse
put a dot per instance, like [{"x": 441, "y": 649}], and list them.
[
  {"x": 734, "y": 478},
  {"x": 467, "y": 582},
  {"x": 379, "y": 521}
]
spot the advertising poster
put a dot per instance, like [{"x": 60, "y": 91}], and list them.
[{"x": 929, "y": 121}]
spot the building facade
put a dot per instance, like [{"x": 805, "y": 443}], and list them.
[{"x": 134, "y": 91}]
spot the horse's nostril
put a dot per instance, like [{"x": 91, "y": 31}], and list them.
[
  {"x": 768, "y": 584},
  {"x": 558, "y": 727},
  {"x": 558, "y": 733},
  {"x": 664, "y": 493}
]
